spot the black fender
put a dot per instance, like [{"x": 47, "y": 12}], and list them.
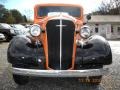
[
  {"x": 22, "y": 51},
  {"x": 96, "y": 51}
]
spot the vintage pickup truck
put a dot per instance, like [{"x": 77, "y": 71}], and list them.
[{"x": 59, "y": 45}]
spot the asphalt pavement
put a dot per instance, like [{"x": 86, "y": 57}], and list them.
[{"x": 110, "y": 81}]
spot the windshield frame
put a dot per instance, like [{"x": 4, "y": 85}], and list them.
[{"x": 71, "y": 5}]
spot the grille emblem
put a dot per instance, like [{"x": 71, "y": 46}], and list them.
[{"x": 61, "y": 26}]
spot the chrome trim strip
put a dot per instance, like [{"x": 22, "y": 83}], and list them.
[
  {"x": 60, "y": 44},
  {"x": 60, "y": 73}
]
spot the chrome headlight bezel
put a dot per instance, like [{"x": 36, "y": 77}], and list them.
[
  {"x": 12, "y": 31},
  {"x": 85, "y": 32},
  {"x": 35, "y": 30}
]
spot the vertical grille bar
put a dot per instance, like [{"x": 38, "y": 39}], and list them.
[{"x": 60, "y": 44}]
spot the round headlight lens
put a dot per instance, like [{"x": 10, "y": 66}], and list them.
[
  {"x": 85, "y": 32},
  {"x": 35, "y": 30}
]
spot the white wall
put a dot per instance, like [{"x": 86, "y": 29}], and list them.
[{"x": 105, "y": 30}]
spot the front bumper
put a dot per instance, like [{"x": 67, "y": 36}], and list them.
[{"x": 60, "y": 73}]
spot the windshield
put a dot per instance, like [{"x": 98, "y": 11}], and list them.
[
  {"x": 5, "y": 25},
  {"x": 73, "y": 11}
]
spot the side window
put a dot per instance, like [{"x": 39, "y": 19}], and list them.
[
  {"x": 111, "y": 29},
  {"x": 96, "y": 29},
  {"x": 118, "y": 29}
]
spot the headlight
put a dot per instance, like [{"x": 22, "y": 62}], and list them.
[
  {"x": 85, "y": 32},
  {"x": 35, "y": 30},
  {"x": 12, "y": 31}
]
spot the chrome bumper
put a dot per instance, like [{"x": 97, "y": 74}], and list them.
[{"x": 60, "y": 73}]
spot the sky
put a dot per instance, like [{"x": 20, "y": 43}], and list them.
[{"x": 26, "y": 6}]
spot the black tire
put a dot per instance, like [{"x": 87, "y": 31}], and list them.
[
  {"x": 94, "y": 80},
  {"x": 7, "y": 37},
  {"x": 20, "y": 80}
]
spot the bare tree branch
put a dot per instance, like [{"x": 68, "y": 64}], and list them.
[{"x": 111, "y": 8}]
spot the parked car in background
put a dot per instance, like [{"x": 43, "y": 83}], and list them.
[
  {"x": 20, "y": 29},
  {"x": 7, "y": 31},
  {"x": 2, "y": 37},
  {"x": 28, "y": 25}
]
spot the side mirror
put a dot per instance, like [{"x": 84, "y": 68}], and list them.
[{"x": 88, "y": 17}]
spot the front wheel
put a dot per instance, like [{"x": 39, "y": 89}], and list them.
[{"x": 20, "y": 80}]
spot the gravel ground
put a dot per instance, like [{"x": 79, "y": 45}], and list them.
[{"x": 109, "y": 82}]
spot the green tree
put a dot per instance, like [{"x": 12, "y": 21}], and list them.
[
  {"x": 24, "y": 18},
  {"x": 11, "y": 16},
  {"x": 5, "y": 16},
  {"x": 10, "y": 19},
  {"x": 17, "y": 15},
  {"x": 3, "y": 13}
]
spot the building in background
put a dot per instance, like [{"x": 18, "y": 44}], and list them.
[{"x": 107, "y": 26}]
